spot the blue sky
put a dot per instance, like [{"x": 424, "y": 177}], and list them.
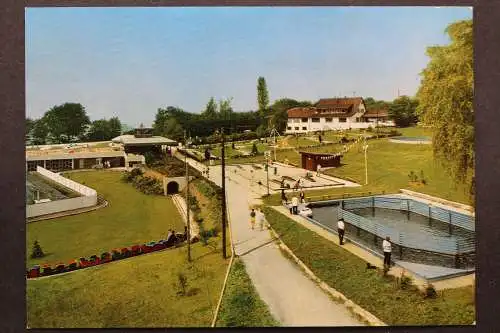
[{"x": 128, "y": 62}]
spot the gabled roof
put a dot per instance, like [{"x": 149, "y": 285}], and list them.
[
  {"x": 302, "y": 112},
  {"x": 376, "y": 113},
  {"x": 329, "y": 102},
  {"x": 328, "y": 107}
]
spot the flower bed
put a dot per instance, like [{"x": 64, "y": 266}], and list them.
[{"x": 94, "y": 260}]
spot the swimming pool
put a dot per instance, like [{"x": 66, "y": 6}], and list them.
[{"x": 419, "y": 232}]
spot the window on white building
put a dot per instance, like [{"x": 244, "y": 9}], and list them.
[
  {"x": 289, "y": 128},
  {"x": 304, "y": 120},
  {"x": 328, "y": 120},
  {"x": 304, "y": 128},
  {"x": 342, "y": 120},
  {"x": 315, "y": 120},
  {"x": 296, "y": 128}
]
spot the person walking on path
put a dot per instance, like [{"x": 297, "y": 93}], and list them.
[
  {"x": 295, "y": 204},
  {"x": 318, "y": 170},
  {"x": 284, "y": 199},
  {"x": 341, "y": 230},
  {"x": 302, "y": 197},
  {"x": 386, "y": 246},
  {"x": 252, "y": 218},
  {"x": 261, "y": 219}
]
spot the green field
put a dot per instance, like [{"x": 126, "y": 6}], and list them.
[
  {"x": 241, "y": 305},
  {"x": 130, "y": 218},
  {"x": 369, "y": 288},
  {"x": 136, "y": 292},
  {"x": 388, "y": 167}
]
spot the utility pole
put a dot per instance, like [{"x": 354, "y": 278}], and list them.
[
  {"x": 366, "y": 164},
  {"x": 188, "y": 234},
  {"x": 223, "y": 206}
]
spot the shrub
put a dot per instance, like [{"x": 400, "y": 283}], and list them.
[
  {"x": 405, "y": 282},
  {"x": 37, "y": 251},
  {"x": 181, "y": 283},
  {"x": 413, "y": 177},
  {"x": 422, "y": 178},
  {"x": 60, "y": 268},
  {"x": 47, "y": 270},
  {"x": 116, "y": 255},
  {"x": 255, "y": 151},
  {"x": 430, "y": 291}
]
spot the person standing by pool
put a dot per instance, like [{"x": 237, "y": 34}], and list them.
[
  {"x": 252, "y": 218},
  {"x": 341, "y": 230},
  {"x": 318, "y": 170},
  {"x": 386, "y": 246},
  {"x": 295, "y": 204}
]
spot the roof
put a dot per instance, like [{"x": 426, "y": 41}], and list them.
[
  {"x": 328, "y": 107},
  {"x": 319, "y": 154},
  {"x": 378, "y": 113},
  {"x": 154, "y": 140},
  {"x": 329, "y": 102},
  {"x": 68, "y": 156},
  {"x": 302, "y": 112}
]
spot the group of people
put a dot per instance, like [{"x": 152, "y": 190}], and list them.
[
  {"x": 106, "y": 164},
  {"x": 259, "y": 217},
  {"x": 386, "y": 243}
]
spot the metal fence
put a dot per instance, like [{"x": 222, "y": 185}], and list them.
[
  {"x": 403, "y": 204},
  {"x": 424, "y": 241}
]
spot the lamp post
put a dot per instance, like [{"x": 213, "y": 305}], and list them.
[
  {"x": 223, "y": 205},
  {"x": 267, "y": 171},
  {"x": 188, "y": 234},
  {"x": 365, "y": 147}
]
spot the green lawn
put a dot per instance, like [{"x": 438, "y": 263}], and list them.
[
  {"x": 388, "y": 167},
  {"x": 131, "y": 218},
  {"x": 241, "y": 305},
  {"x": 368, "y": 288},
  {"x": 136, "y": 292}
]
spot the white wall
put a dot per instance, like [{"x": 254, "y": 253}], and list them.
[
  {"x": 79, "y": 188},
  {"x": 88, "y": 198},
  {"x": 333, "y": 125},
  {"x": 60, "y": 206}
]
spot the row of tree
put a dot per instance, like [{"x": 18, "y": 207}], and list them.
[{"x": 69, "y": 122}]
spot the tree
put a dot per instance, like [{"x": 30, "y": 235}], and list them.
[
  {"x": 403, "y": 111},
  {"x": 40, "y": 132},
  {"x": 225, "y": 108},
  {"x": 373, "y": 104},
  {"x": 173, "y": 129},
  {"x": 210, "y": 111},
  {"x": 66, "y": 122},
  {"x": 37, "y": 251},
  {"x": 262, "y": 96},
  {"x": 279, "y": 116},
  {"x": 115, "y": 127},
  {"x": 99, "y": 131},
  {"x": 446, "y": 102}
]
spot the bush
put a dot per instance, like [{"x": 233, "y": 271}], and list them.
[
  {"x": 405, "y": 282},
  {"x": 182, "y": 283},
  {"x": 430, "y": 292},
  {"x": 255, "y": 151},
  {"x": 37, "y": 251}
]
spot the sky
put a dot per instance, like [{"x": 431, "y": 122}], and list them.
[{"x": 128, "y": 62}]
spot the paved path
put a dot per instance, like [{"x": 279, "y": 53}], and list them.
[{"x": 292, "y": 297}]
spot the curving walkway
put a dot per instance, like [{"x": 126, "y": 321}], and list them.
[{"x": 292, "y": 297}]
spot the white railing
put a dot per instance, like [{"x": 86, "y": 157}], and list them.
[{"x": 72, "y": 185}]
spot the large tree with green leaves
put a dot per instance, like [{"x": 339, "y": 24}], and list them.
[
  {"x": 39, "y": 132},
  {"x": 210, "y": 111},
  {"x": 66, "y": 122},
  {"x": 403, "y": 111},
  {"x": 262, "y": 96},
  {"x": 279, "y": 116},
  {"x": 115, "y": 127},
  {"x": 225, "y": 108},
  {"x": 446, "y": 101}
]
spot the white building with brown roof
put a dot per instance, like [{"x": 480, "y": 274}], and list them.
[{"x": 334, "y": 114}]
